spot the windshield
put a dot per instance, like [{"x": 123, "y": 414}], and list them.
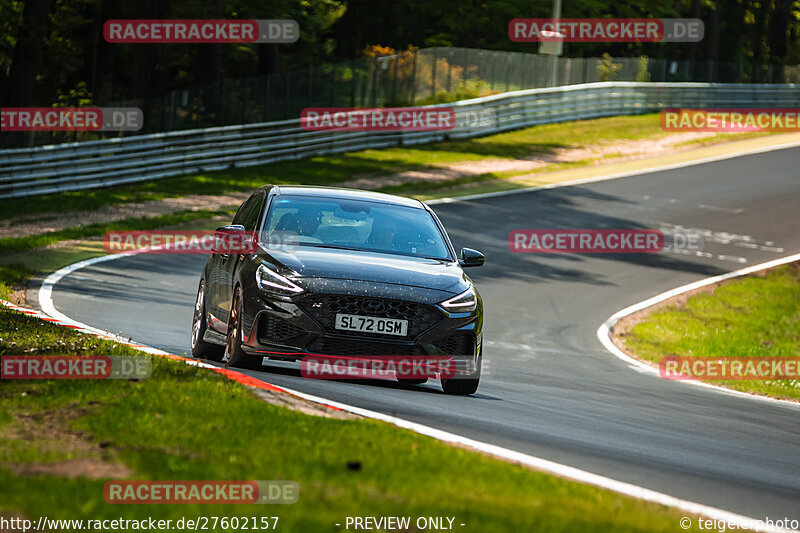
[{"x": 354, "y": 225}]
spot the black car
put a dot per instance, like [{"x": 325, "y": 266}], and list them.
[{"x": 340, "y": 272}]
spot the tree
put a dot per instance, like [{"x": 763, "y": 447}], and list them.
[{"x": 27, "y": 56}]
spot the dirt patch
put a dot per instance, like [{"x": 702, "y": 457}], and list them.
[
  {"x": 49, "y": 432},
  {"x": 74, "y": 468},
  {"x": 17, "y": 295},
  {"x": 304, "y": 406},
  {"x": 611, "y": 152},
  {"x": 37, "y": 224}
]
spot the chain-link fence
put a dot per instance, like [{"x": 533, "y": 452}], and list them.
[{"x": 425, "y": 76}]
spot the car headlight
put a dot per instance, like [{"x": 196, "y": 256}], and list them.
[
  {"x": 273, "y": 282},
  {"x": 466, "y": 301}
]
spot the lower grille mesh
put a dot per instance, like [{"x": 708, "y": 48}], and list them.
[
  {"x": 271, "y": 328},
  {"x": 459, "y": 344}
]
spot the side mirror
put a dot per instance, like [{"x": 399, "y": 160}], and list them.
[
  {"x": 471, "y": 258},
  {"x": 225, "y": 238}
]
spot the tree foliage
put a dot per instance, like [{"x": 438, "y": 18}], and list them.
[{"x": 76, "y": 59}]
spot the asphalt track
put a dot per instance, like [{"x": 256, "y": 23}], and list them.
[{"x": 552, "y": 390}]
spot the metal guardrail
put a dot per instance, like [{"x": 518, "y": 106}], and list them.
[{"x": 94, "y": 164}]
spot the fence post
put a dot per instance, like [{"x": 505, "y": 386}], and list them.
[
  {"x": 449, "y": 73},
  {"x": 394, "y": 80},
  {"x": 375, "y": 70},
  {"x": 266, "y": 97},
  {"x": 310, "y": 86},
  {"x": 353, "y": 85},
  {"x": 244, "y": 99},
  {"x": 221, "y": 103},
  {"x": 333, "y": 86},
  {"x": 286, "y": 97},
  {"x": 433, "y": 75},
  {"x": 491, "y": 71},
  {"x": 414, "y": 81},
  {"x": 508, "y": 69}
]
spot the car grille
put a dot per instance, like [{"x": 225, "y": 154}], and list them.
[
  {"x": 459, "y": 344},
  {"x": 345, "y": 346},
  {"x": 323, "y": 309},
  {"x": 272, "y": 328}
]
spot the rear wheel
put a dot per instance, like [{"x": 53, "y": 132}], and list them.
[
  {"x": 200, "y": 348},
  {"x": 464, "y": 385},
  {"x": 233, "y": 348}
]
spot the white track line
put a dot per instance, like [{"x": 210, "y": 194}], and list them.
[
  {"x": 575, "y": 474},
  {"x": 604, "y": 331}
]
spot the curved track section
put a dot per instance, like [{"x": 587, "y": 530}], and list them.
[{"x": 552, "y": 390}]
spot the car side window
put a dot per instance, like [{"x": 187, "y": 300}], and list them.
[
  {"x": 251, "y": 217},
  {"x": 244, "y": 212}
]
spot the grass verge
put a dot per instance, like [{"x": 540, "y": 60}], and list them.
[
  {"x": 755, "y": 316},
  {"x": 178, "y": 424}
]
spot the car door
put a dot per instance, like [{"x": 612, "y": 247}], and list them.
[
  {"x": 248, "y": 217},
  {"x": 216, "y": 278}
]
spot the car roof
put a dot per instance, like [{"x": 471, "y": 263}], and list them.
[{"x": 350, "y": 194}]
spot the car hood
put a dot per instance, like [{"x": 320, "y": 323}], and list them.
[{"x": 370, "y": 267}]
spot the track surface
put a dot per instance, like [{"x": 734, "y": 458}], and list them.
[{"x": 552, "y": 390}]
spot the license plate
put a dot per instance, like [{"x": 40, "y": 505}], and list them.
[{"x": 372, "y": 324}]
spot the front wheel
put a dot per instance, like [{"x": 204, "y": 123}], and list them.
[
  {"x": 200, "y": 348},
  {"x": 234, "y": 353},
  {"x": 467, "y": 384}
]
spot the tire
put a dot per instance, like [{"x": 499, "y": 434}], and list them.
[
  {"x": 200, "y": 348},
  {"x": 466, "y": 385},
  {"x": 234, "y": 354}
]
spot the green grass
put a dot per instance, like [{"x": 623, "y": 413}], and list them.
[
  {"x": 13, "y": 275},
  {"x": 186, "y": 423},
  {"x": 750, "y": 317},
  {"x": 337, "y": 168}
]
